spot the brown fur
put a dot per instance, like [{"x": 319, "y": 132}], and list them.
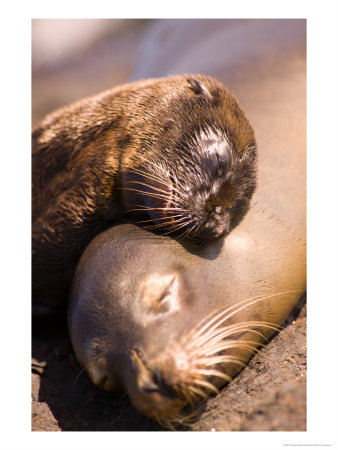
[{"x": 84, "y": 154}]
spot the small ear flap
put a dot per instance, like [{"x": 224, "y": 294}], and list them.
[
  {"x": 199, "y": 88},
  {"x": 195, "y": 85}
]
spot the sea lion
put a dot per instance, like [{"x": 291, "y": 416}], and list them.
[
  {"x": 178, "y": 152},
  {"x": 145, "y": 312},
  {"x": 169, "y": 323}
]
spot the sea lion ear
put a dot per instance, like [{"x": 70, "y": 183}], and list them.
[{"x": 199, "y": 88}]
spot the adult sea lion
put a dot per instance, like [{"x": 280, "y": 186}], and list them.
[
  {"x": 170, "y": 324},
  {"x": 178, "y": 151}
]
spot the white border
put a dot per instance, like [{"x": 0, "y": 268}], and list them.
[{"x": 322, "y": 222}]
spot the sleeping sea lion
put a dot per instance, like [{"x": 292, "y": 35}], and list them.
[{"x": 178, "y": 153}]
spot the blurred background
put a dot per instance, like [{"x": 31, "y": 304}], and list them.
[{"x": 75, "y": 58}]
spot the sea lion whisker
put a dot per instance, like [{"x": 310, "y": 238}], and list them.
[
  {"x": 157, "y": 167},
  {"x": 191, "y": 398},
  {"x": 147, "y": 194},
  {"x": 165, "y": 171},
  {"x": 191, "y": 229},
  {"x": 227, "y": 331},
  {"x": 202, "y": 326},
  {"x": 150, "y": 220},
  {"x": 182, "y": 392},
  {"x": 187, "y": 419},
  {"x": 151, "y": 177},
  {"x": 148, "y": 208},
  {"x": 183, "y": 221},
  {"x": 158, "y": 208},
  {"x": 77, "y": 377},
  {"x": 178, "y": 419},
  {"x": 197, "y": 391},
  {"x": 174, "y": 228},
  {"x": 205, "y": 384},
  {"x": 146, "y": 174},
  {"x": 213, "y": 372},
  {"x": 230, "y": 343},
  {"x": 221, "y": 359},
  {"x": 220, "y": 316},
  {"x": 153, "y": 188},
  {"x": 159, "y": 226},
  {"x": 235, "y": 345},
  {"x": 179, "y": 184},
  {"x": 226, "y": 345},
  {"x": 158, "y": 196},
  {"x": 173, "y": 216},
  {"x": 171, "y": 221},
  {"x": 156, "y": 189},
  {"x": 177, "y": 226},
  {"x": 251, "y": 303},
  {"x": 192, "y": 395},
  {"x": 151, "y": 163},
  {"x": 201, "y": 349},
  {"x": 165, "y": 423},
  {"x": 185, "y": 233}
]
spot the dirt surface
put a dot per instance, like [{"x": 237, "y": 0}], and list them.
[{"x": 268, "y": 395}]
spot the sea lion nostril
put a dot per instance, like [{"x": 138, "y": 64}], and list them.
[
  {"x": 211, "y": 226},
  {"x": 150, "y": 386},
  {"x": 157, "y": 376},
  {"x": 156, "y": 383}
]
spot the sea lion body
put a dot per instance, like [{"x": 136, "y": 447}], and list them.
[
  {"x": 163, "y": 320},
  {"x": 178, "y": 151}
]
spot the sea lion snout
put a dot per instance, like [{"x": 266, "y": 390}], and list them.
[{"x": 149, "y": 391}]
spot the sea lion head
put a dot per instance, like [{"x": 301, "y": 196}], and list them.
[
  {"x": 121, "y": 326},
  {"x": 141, "y": 322},
  {"x": 196, "y": 172}
]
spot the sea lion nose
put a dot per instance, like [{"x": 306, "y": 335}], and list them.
[
  {"x": 212, "y": 227},
  {"x": 150, "y": 386},
  {"x": 153, "y": 382},
  {"x": 216, "y": 227},
  {"x": 149, "y": 379}
]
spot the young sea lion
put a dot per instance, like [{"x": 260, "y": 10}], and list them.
[{"x": 178, "y": 152}]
